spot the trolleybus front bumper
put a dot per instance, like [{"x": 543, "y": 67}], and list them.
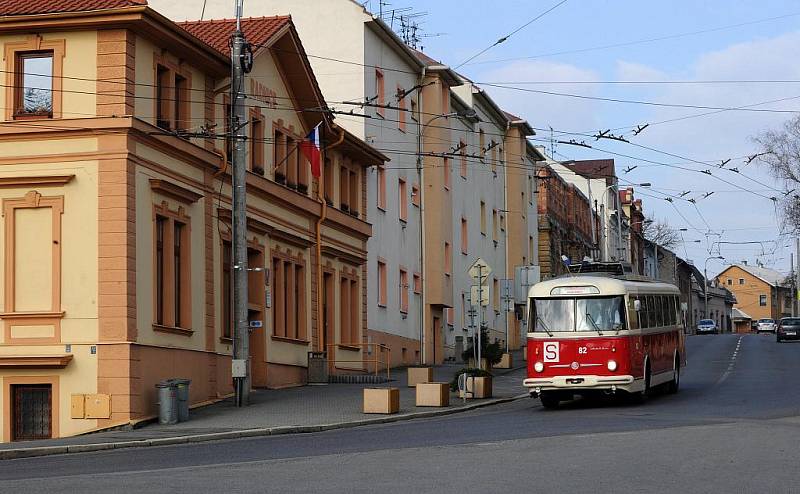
[{"x": 538, "y": 384}]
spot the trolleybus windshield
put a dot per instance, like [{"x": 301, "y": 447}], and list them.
[{"x": 578, "y": 314}]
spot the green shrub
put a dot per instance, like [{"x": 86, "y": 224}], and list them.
[{"x": 492, "y": 352}]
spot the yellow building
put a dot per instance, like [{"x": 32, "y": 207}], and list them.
[
  {"x": 115, "y": 193},
  {"x": 758, "y": 290}
]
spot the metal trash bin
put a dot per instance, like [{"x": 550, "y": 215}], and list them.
[
  {"x": 182, "y": 386},
  {"x": 317, "y": 368},
  {"x": 167, "y": 403}
]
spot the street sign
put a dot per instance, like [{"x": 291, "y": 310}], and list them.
[
  {"x": 479, "y": 269},
  {"x": 479, "y": 293}
]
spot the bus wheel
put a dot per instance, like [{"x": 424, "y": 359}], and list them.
[
  {"x": 675, "y": 384},
  {"x": 549, "y": 399}
]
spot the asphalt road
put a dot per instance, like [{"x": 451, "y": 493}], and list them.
[{"x": 733, "y": 427}]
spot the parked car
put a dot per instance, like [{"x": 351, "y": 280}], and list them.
[
  {"x": 788, "y": 329},
  {"x": 707, "y": 326},
  {"x": 766, "y": 325}
]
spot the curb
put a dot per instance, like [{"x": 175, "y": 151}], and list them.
[{"x": 12, "y": 454}]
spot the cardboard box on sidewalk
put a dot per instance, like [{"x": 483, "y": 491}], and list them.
[
  {"x": 381, "y": 400},
  {"x": 478, "y": 387},
  {"x": 419, "y": 375},
  {"x": 433, "y": 394},
  {"x": 506, "y": 362}
]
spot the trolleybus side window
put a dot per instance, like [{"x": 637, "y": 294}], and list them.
[
  {"x": 660, "y": 319},
  {"x": 633, "y": 316},
  {"x": 651, "y": 311},
  {"x": 673, "y": 310}
]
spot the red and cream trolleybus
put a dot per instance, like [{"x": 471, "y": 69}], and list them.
[{"x": 603, "y": 332}]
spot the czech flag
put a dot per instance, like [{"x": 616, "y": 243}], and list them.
[{"x": 310, "y": 148}]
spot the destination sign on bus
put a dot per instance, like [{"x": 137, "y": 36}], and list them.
[{"x": 575, "y": 290}]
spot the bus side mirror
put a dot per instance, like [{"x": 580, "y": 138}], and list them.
[{"x": 637, "y": 305}]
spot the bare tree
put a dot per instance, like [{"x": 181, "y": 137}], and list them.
[
  {"x": 659, "y": 232},
  {"x": 780, "y": 152}
]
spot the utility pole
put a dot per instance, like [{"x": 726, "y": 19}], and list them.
[
  {"x": 241, "y": 350},
  {"x": 792, "y": 284},
  {"x": 796, "y": 294}
]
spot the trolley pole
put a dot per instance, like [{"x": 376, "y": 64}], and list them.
[{"x": 241, "y": 350}]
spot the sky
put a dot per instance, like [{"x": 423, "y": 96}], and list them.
[{"x": 567, "y": 51}]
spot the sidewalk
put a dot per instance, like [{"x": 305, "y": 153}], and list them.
[{"x": 294, "y": 410}]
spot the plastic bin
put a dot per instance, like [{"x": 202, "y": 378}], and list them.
[{"x": 182, "y": 387}]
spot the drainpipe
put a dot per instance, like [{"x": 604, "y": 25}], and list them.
[
  {"x": 318, "y": 232},
  {"x": 420, "y": 177},
  {"x": 508, "y": 227}
]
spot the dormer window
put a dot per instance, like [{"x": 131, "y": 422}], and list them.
[{"x": 34, "y": 84}]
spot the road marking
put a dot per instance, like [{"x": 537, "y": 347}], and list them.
[{"x": 728, "y": 371}]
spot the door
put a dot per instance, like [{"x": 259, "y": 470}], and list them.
[{"x": 32, "y": 412}]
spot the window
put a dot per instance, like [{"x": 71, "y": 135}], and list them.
[
  {"x": 483, "y": 218},
  {"x": 328, "y": 181},
  {"x": 493, "y": 145},
  {"x": 403, "y": 290},
  {"x": 495, "y": 294},
  {"x": 448, "y": 259},
  {"x": 401, "y": 109},
  {"x": 449, "y": 314},
  {"x": 180, "y": 103},
  {"x": 729, "y": 282},
  {"x": 382, "y": 283},
  {"x": 415, "y": 195},
  {"x": 741, "y": 281},
  {"x": 762, "y": 300},
  {"x": 354, "y": 193},
  {"x": 344, "y": 189},
  {"x": 482, "y": 143},
  {"x": 495, "y": 225},
  {"x": 380, "y": 93},
  {"x": 163, "y": 96},
  {"x": 447, "y": 172},
  {"x": 502, "y": 222},
  {"x": 348, "y": 309},
  {"x": 417, "y": 283},
  {"x": 172, "y": 98},
  {"x": 34, "y": 83},
  {"x": 381, "y": 188},
  {"x": 463, "y": 157},
  {"x": 403, "y": 199},
  {"x": 227, "y": 291},
  {"x": 414, "y": 110},
  {"x": 279, "y": 155},
  {"x": 289, "y": 305},
  {"x": 172, "y": 270},
  {"x": 256, "y": 143},
  {"x": 464, "y": 238}
]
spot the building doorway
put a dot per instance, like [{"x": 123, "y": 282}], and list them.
[{"x": 32, "y": 411}]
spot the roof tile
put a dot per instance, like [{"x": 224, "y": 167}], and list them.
[
  {"x": 217, "y": 33},
  {"x": 32, "y": 7}
]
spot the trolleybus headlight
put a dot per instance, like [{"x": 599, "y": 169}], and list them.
[
  {"x": 538, "y": 367},
  {"x": 612, "y": 365}
]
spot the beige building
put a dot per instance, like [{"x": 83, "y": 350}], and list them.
[
  {"x": 115, "y": 190},
  {"x": 401, "y": 103}
]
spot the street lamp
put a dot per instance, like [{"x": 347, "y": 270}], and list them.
[{"x": 705, "y": 281}]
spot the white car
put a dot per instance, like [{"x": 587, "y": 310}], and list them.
[
  {"x": 706, "y": 326},
  {"x": 766, "y": 326}
]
